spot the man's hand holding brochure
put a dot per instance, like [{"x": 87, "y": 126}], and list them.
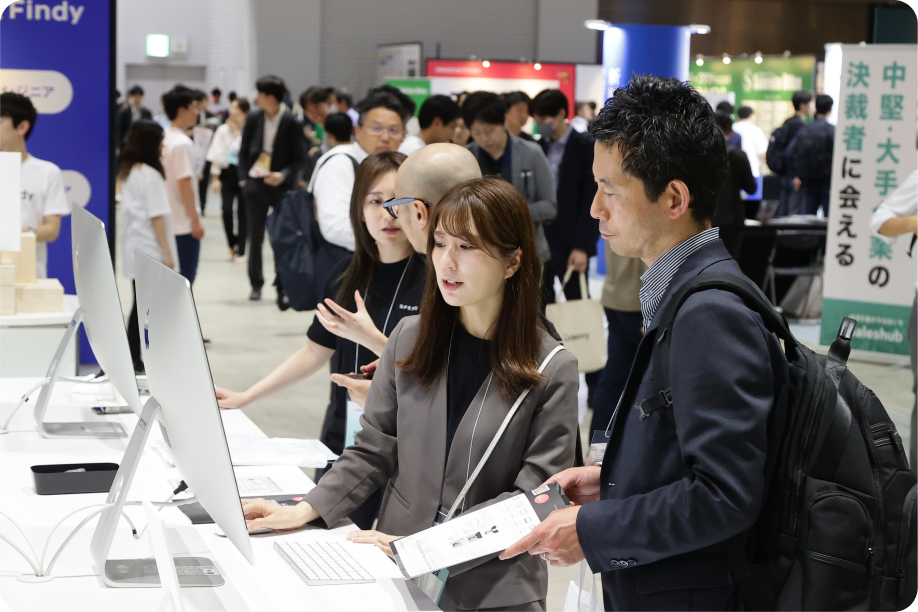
[{"x": 476, "y": 534}]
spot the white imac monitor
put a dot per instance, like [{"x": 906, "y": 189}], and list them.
[
  {"x": 97, "y": 290},
  {"x": 182, "y": 398},
  {"x": 102, "y": 318}
]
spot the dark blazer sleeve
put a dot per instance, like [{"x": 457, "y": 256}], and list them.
[
  {"x": 245, "y": 159},
  {"x": 371, "y": 461},
  {"x": 294, "y": 164},
  {"x": 587, "y": 232},
  {"x": 145, "y": 113},
  {"x": 722, "y": 396}
]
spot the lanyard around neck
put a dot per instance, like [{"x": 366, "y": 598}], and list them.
[{"x": 388, "y": 314}]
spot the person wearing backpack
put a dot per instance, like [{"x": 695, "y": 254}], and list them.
[
  {"x": 810, "y": 152},
  {"x": 790, "y": 199},
  {"x": 669, "y": 491}
]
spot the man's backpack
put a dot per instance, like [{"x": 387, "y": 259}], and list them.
[
  {"x": 303, "y": 256},
  {"x": 837, "y": 529},
  {"x": 814, "y": 152},
  {"x": 777, "y": 148}
]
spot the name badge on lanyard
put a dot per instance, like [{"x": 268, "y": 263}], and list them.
[{"x": 352, "y": 425}]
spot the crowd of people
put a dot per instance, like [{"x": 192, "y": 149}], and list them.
[{"x": 448, "y": 244}]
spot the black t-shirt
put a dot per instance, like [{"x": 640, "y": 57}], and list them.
[
  {"x": 469, "y": 366},
  {"x": 490, "y": 166},
  {"x": 348, "y": 357}
]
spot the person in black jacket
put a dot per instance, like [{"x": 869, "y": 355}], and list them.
[
  {"x": 133, "y": 111},
  {"x": 730, "y": 213},
  {"x": 573, "y": 235},
  {"x": 270, "y": 159},
  {"x": 652, "y": 518}
]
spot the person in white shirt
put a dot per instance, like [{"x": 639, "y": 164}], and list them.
[
  {"x": 223, "y": 156},
  {"x": 583, "y": 114},
  {"x": 181, "y": 183},
  {"x": 754, "y": 143},
  {"x": 437, "y": 119},
  {"x": 379, "y": 128},
  {"x": 146, "y": 211},
  {"x": 895, "y": 216},
  {"x": 43, "y": 200}
]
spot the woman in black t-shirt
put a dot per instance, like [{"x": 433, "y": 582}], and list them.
[{"x": 365, "y": 298}]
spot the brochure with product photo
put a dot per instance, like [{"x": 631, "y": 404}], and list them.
[{"x": 476, "y": 534}]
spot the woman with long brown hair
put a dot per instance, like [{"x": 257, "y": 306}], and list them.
[
  {"x": 381, "y": 283},
  {"x": 446, "y": 382},
  {"x": 146, "y": 212}
]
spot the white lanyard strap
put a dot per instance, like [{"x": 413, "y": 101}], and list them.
[
  {"x": 496, "y": 439},
  {"x": 386, "y": 322}
]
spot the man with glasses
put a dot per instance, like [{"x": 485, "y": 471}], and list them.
[{"x": 380, "y": 128}]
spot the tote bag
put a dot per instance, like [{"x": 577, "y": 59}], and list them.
[{"x": 580, "y": 324}]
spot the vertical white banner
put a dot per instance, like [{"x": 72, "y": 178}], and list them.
[
  {"x": 10, "y": 201},
  {"x": 875, "y": 150}
]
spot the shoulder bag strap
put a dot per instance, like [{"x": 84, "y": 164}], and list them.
[{"x": 496, "y": 439}]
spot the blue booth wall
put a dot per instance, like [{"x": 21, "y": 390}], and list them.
[
  {"x": 76, "y": 40},
  {"x": 642, "y": 49}
]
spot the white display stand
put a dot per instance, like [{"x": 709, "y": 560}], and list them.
[
  {"x": 268, "y": 585},
  {"x": 29, "y": 341}
]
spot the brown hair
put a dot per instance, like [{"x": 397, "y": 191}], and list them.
[
  {"x": 492, "y": 215},
  {"x": 359, "y": 274},
  {"x": 142, "y": 147}
]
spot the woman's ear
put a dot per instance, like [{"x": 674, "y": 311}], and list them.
[{"x": 514, "y": 263}]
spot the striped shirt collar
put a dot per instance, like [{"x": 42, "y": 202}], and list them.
[{"x": 656, "y": 279}]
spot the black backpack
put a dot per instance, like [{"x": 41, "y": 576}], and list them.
[
  {"x": 303, "y": 257},
  {"x": 838, "y": 527},
  {"x": 777, "y": 147},
  {"x": 814, "y": 152}
]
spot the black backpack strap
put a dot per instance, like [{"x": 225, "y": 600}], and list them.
[
  {"x": 354, "y": 161},
  {"x": 662, "y": 398},
  {"x": 833, "y": 447}
]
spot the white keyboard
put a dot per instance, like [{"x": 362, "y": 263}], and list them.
[{"x": 320, "y": 563}]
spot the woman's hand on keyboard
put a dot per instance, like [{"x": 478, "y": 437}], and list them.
[
  {"x": 373, "y": 537},
  {"x": 266, "y": 514}
]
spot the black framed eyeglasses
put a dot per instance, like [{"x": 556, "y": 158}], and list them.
[{"x": 390, "y": 205}]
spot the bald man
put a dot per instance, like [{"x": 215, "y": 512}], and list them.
[{"x": 422, "y": 180}]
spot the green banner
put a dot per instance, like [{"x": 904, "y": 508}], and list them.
[
  {"x": 880, "y": 327},
  {"x": 767, "y": 88},
  {"x": 416, "y": 89}
]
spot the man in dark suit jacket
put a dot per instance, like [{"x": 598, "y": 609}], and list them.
[
  {"x": 133, "y": 111},
  {"x": 730, "y": 212},
  {"x": 573, "y": 234},
  {"x": 270, "y": 159},
  {"x": 654, "y": 516}
]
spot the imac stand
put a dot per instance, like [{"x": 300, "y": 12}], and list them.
[
  {"x": 192, "y": 571},
  {"x": 91, "y": 429}
]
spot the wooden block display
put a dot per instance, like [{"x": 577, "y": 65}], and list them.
[
  {"x": 24, "y": 260},
  {"x": 45, "y": 295},
  {"x": 7, "y": 299},
  {"x": 7, "y": 274}
]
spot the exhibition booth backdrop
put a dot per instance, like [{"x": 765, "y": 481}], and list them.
[{"x": 63, "y": 59}]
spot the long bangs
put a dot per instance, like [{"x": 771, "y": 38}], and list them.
[{"x": 490, "y": 214}]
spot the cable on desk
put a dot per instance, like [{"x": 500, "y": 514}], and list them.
[{"x": 25, "y": 398}]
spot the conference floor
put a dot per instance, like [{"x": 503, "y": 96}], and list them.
[{"x": 249, "y": 339}]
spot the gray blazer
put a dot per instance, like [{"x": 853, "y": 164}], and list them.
[
  {"x": 403, "y": 447},
  {"x": 532, "y": 177}
]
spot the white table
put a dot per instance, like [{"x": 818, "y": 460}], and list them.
[
  {"x": 268, "y": 585},
  {"x": 29, "y": 340}
]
